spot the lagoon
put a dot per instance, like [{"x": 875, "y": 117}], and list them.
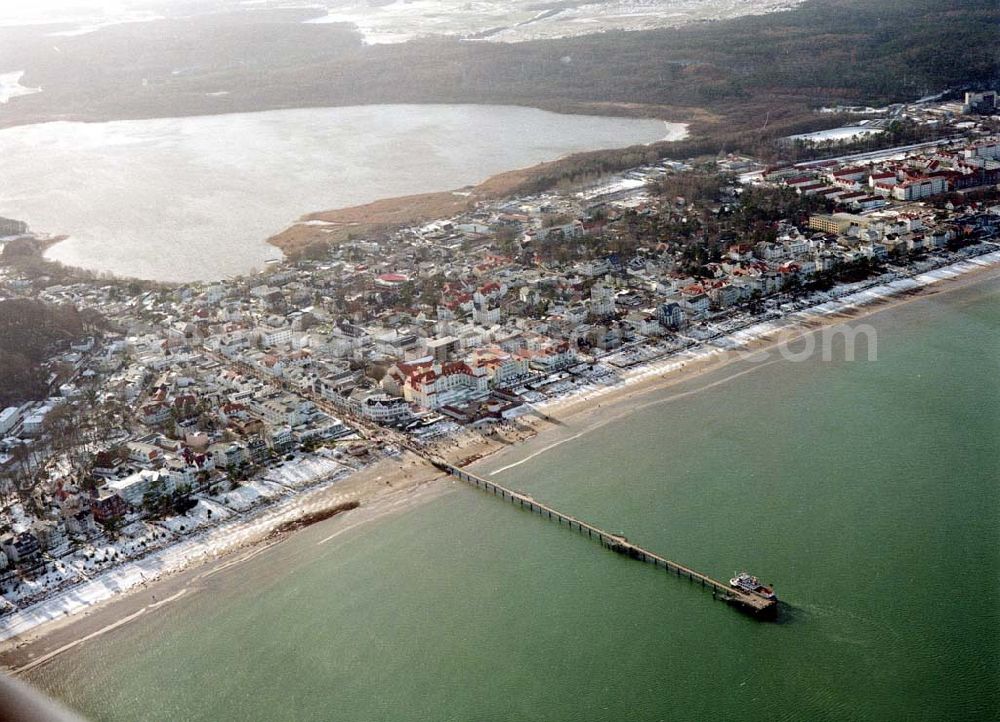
[{"x": 182, "y": 199}]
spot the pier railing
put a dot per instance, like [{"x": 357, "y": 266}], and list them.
[{"x": 615, "y": 542}]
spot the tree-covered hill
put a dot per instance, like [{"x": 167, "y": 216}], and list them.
[
  {"x": 29, "y": 331},
  {"x": 742, "y": 71}
]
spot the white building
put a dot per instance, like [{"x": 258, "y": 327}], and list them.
[
  {"x": 284, "y": 411},
  {"x": 384, "y": 409},
  {"x": 35, "y": 421},
  {"x": 275, "y": 336},
  {"x": 602, "y": 301},
  {"x": 915, "y": 189},
  {"x": 486, "y": 314},
  {"x": 502, "y": 368},
  {"x": 9, "y": 419},
  {"x": 548, "y": 355},
  {"x": 132, "y": 488},
  {"x": 432, "y": 385}
]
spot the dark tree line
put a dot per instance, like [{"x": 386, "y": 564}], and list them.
[{"x": 29, "y": 331}]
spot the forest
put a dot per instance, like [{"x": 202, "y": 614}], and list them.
[
  {"x": 29, "y": 330},
  {"x": 739, "y": 83},
  {"x": 746, "y": 73}
]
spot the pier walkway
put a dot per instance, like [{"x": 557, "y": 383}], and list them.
[
  {"x": 748, "y": 602},
  {"x": 752, "y": 603}
]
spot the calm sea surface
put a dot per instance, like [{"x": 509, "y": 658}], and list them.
[
  {"x": 866, "y": 492},
  {"x": 179, "y": 199}
]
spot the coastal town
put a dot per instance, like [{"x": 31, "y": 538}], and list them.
[{"x": 174, "y": 415}]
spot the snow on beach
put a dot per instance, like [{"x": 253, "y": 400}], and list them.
[
  {"x": 208, "y": 536},
  {"x": 302, "y": 472},
  {"x": 844, "y": 299},
  {"x": 249, "y": 494},
  {"x": 182, "y": 541}
]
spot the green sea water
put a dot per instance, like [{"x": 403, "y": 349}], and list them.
[{"x": 867, "y": 492}]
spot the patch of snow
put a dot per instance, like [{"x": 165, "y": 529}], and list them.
[
  {"x": 305, "y": 471},
  {"x": 838, "y": 135},
  {"x": 204, "y": 513},
  {"x": 249, "y": 494},
  {"x": 10, "y": 86},
  {"x": 521, "y": 20},
  {"x": 101, "y": 585},
  {"x": 93, "y": 27}
]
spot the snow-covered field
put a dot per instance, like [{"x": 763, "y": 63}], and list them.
[
  {"x": 397, "y": 21},
  {"x": 519, "y": 20},
  {"x": 838, "y": 135},
  {"x": 10, "y": 86}
]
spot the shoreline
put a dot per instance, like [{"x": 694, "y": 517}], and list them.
[
  {"x": 325, "y": 227},
  {"x": 207, "y": 551},
  {"x": 691, "y": 115},
  {"x": 762, "y": 337},
  {"x": 583, "y": 413},
  {"x": 558, "y": 421},
  {"x": 382, "y": 489},
  {"x": 34, "y": 262}
]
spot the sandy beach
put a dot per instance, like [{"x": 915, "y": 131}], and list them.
[
  {"x": 382, "y": 487},
  {"x": 393, "y": 485},
  {"x": 574, "y": 415}
]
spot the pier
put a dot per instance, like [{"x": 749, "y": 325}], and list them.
[{"x": 751, "y": 603}]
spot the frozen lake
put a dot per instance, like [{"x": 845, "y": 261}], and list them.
[{"x": 179, "y": 199}]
